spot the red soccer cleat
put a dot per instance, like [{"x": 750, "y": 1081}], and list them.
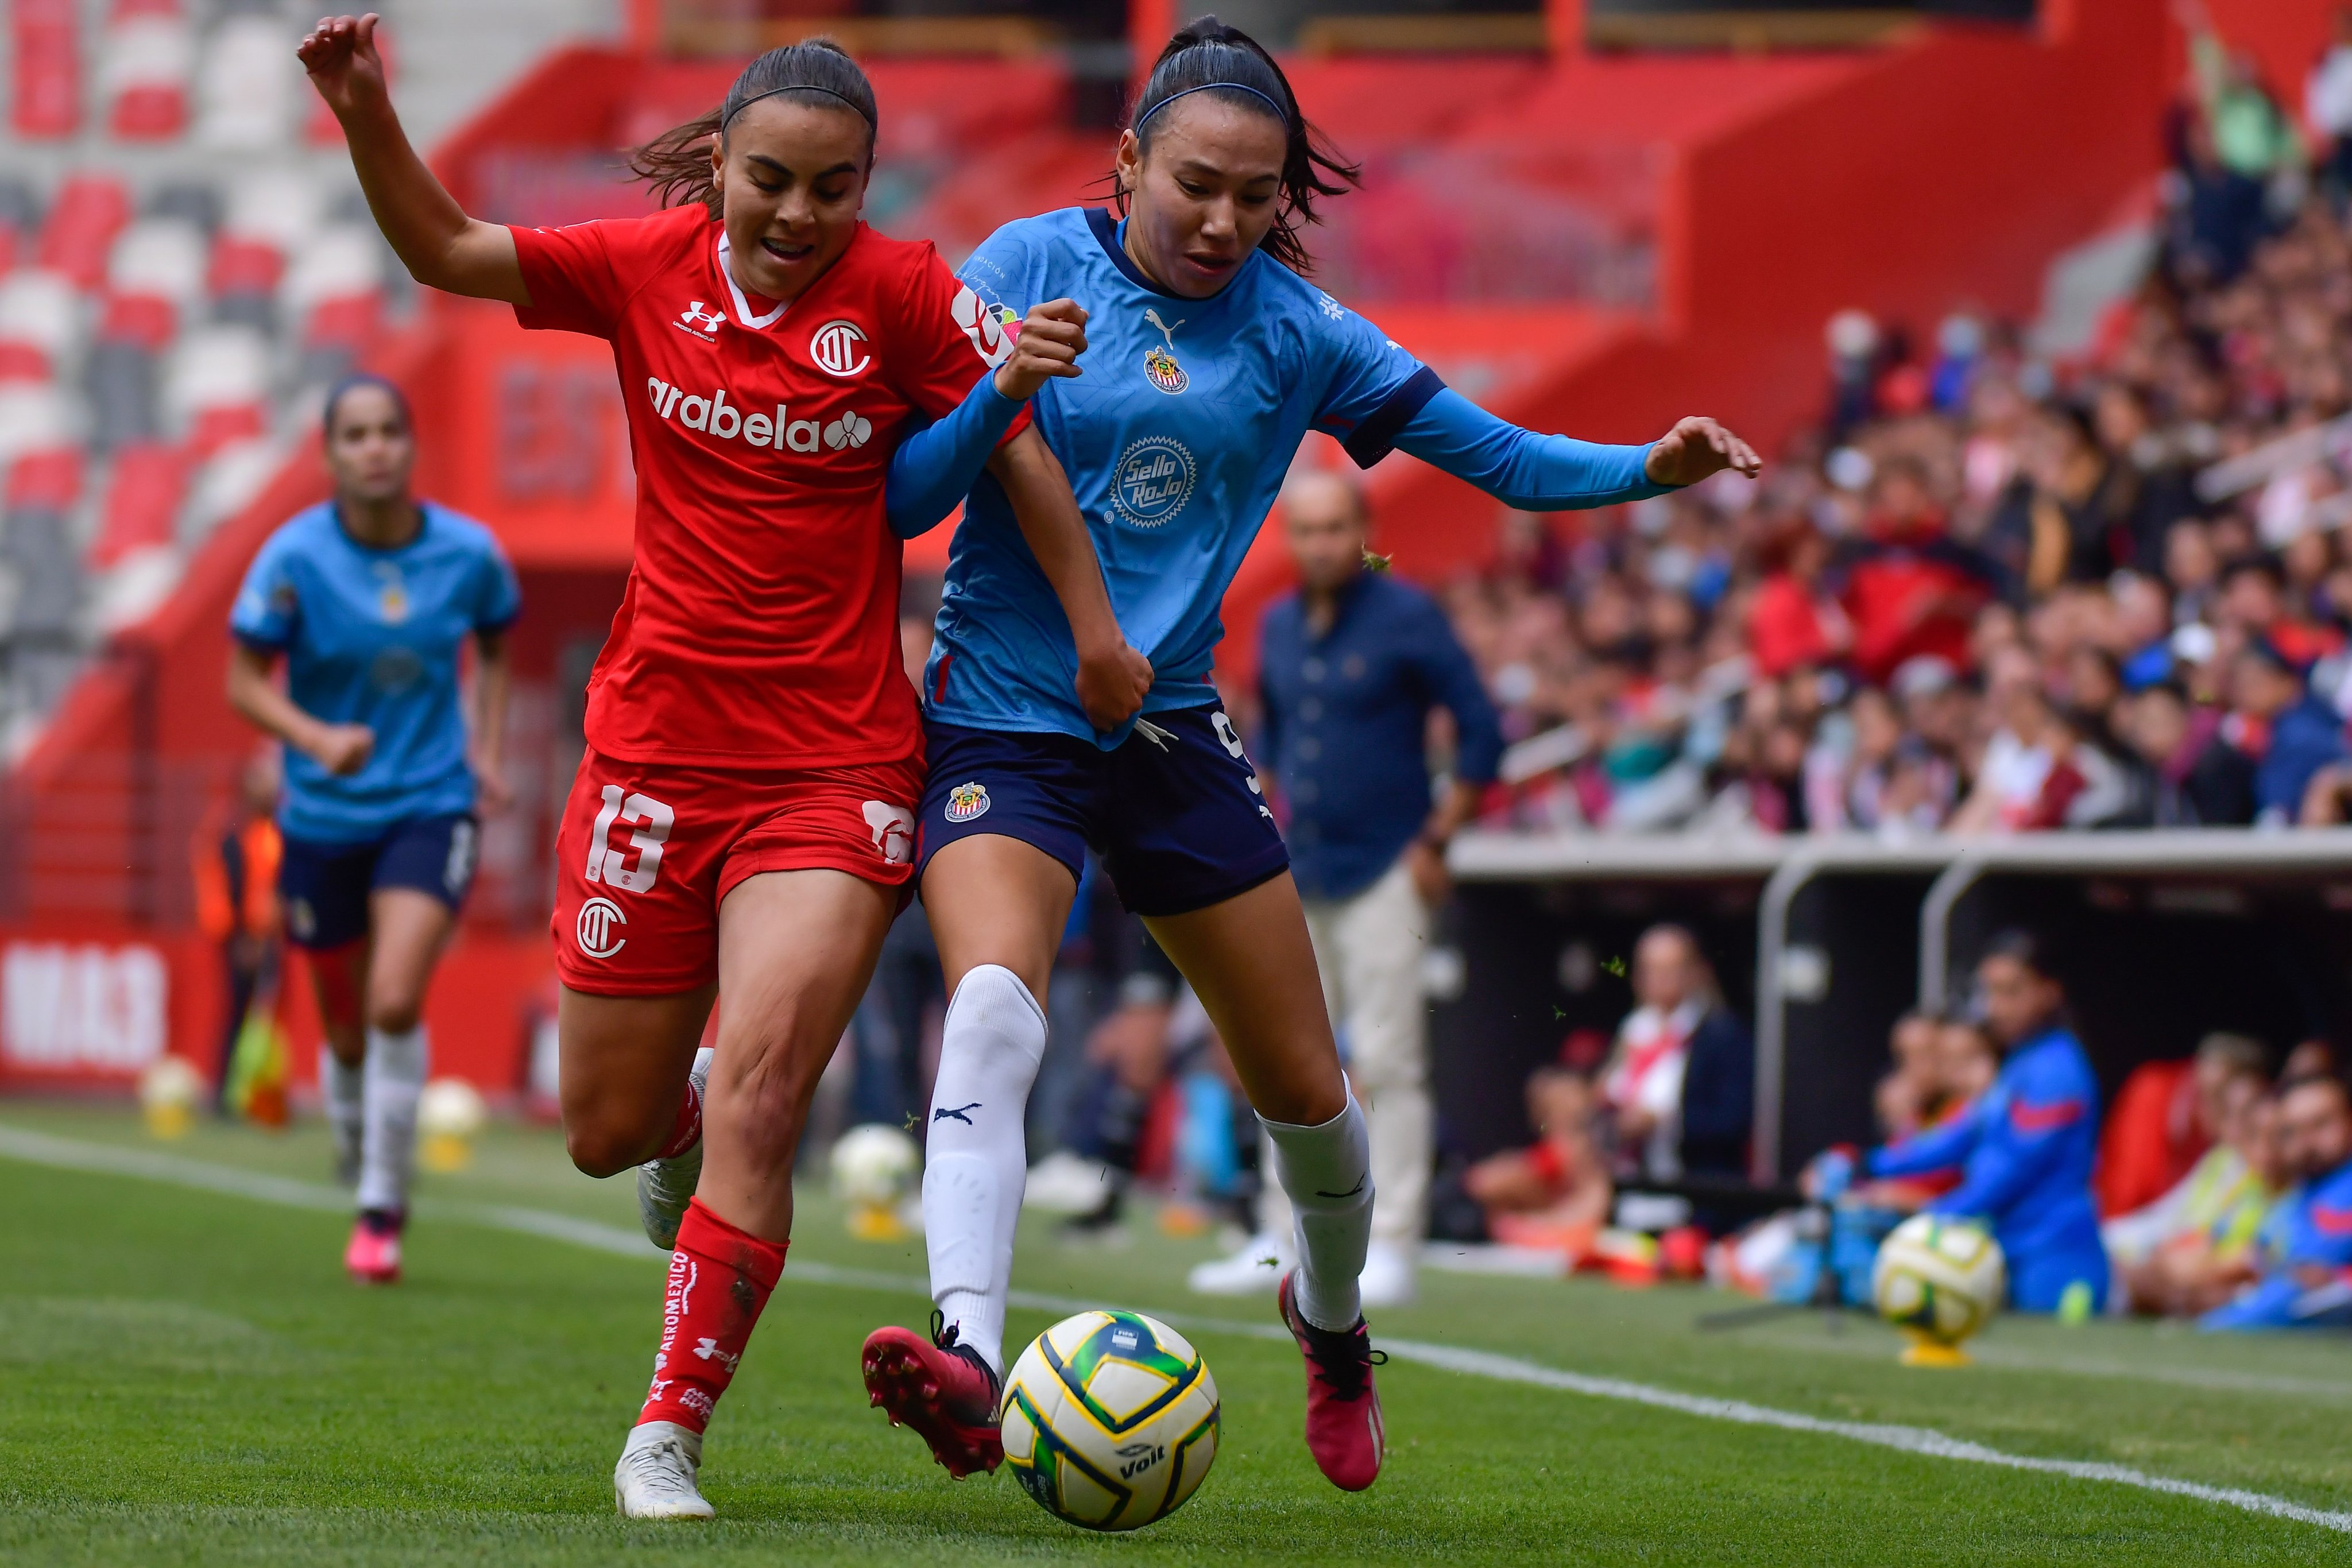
[
  {"x": 374, "y": 1256},
  {"x": 945, "y": 1391},
  {"x": 1343, "y": 1409}
]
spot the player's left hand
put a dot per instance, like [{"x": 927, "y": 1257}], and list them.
[
  {"x": 1426, "y": 863},
  {"x": 1696, "y": 447},
  {"x": 1052, "y": 337}
]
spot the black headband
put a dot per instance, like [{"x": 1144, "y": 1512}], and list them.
[
  {"x": 863, "y": 113},
  {"x": 1279, "y": 112}
]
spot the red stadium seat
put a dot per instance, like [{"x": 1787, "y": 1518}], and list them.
[
  {"x": 143, "y": 503},
  {"x": 244, "y": 266},
  {"x": 89, "y": 212},
  {"x": 47, "y": 481},
  {"x": 144, "y": 61},
  {"x": 46, "y": 55}
]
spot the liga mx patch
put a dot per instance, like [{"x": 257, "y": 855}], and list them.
[{"x": 966, "y": 801}]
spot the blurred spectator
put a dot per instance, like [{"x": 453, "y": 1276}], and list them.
[
  {"x": 1906, "y": 1097},
  {"x": 1555, "y": 1193},
  {"x": 1679, "y": 1091},
  {"x": 2166, "y": 1116},
  {"x": 2189, "y": 1249},
  {"x": 2024, "y": 1149},
  {"x": 1791, "y": 622},
  {"x": 1351, "y": 669},
  {"x": 2306, "y": 1278},
  {"x": 235, "y": 864},
  {"x": 2193, "y": 778},
  {"x": 2327, "y": 106},
  {"x": 2281, "y": 727}
]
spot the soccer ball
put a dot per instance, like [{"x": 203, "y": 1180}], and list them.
[
  {"x": 873, "y": 1164},
  {"x": 1938, "y": 1278},
  {"x": 1111, "y": 1420},
  {"x": 450, "y": 1113}
]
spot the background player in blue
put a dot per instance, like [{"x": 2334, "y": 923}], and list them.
[
  {"x": 370, "y": 598},
  {"x": 1211, "y": 356},
  {"x": 2025, "y": 1147}
]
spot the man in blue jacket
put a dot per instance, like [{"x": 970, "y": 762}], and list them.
[
  {"x": 2308, "y": 1278},
  {"x": 2025, "y": 1148},
  {"x": 1349, "y": 668},
  {"x": 2289, "y": 732}
]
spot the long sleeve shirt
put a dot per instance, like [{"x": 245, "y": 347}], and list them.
[
  {"x": 2024, "y": 1151},
  {"x": 1345, "y": 715}
]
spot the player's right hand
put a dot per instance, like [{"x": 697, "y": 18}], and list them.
[
  {"x": 343, "y": 749},
  {"x": 1052, "y": 337},
  {"x": 341, "y": 55},
  {"x": 1112, "y": 684}
]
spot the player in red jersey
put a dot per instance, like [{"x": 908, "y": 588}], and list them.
[{"x": 743, "y": 818}]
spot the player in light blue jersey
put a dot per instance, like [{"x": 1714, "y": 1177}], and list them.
[
  {"x": 1069, "y": 706},
  {"x": 370, "y": 599}
]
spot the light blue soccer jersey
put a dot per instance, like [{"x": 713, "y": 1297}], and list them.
[
  {"x": 372, "y": 637},
  {"x": 1176, "y": 440}
]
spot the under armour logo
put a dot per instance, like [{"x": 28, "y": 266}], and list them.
[
  {"x": 709, "y": 1351},
  {"x": 943, "y": 1114}
]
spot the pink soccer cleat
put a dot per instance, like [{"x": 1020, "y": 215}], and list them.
[
  {"x": 945, "y": 1391},
  {"x": 1343, "y": 1409},
  {"x": 374, "y": 1256}
]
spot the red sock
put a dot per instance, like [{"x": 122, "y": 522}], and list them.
[
  {"x": 687, "y": 1131},
  {"x": 719, "y": 1277}
]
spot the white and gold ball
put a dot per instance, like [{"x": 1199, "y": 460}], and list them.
[
  {"x": 873, "y": 1164},
  {"x": 1939, "y": 1278},
  {"x": 1111, "y": 1420}
]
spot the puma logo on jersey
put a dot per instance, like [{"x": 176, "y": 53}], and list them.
[{"x": 724, "y": 421}]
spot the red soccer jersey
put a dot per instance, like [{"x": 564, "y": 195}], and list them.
[{"x": 759, "y": 628}]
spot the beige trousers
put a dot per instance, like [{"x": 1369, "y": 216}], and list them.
[{"x": 1369, "y": 948}]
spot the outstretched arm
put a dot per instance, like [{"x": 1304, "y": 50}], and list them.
[
  {"x": 1540, "y": 472},
  {"x": 933, "y": 469},
  {"x": 440, "y": 246},
  {"x": 1113, "y": 678}
]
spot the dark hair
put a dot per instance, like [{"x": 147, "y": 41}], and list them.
[
  {"x": 1232, "y": 66},
  {"x": 351, "y": 383},
  {"x": 2258, "y": 562},
  {"x": 815, "y": 71},
  {"x": 2021, "y": 947}
]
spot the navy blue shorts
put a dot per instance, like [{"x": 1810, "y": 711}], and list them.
[
  {"x": 1180, "y": 822},
  {"x": 325, "y": 887}
]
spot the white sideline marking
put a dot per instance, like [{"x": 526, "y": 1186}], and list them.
[{"x": 70, "y": 1153}]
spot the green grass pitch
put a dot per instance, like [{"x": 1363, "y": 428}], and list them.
[{"x": 185, "y": 1377}]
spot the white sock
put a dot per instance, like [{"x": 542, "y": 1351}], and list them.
[
  {"x": 343, "y": 1089},
  {"x": 396, "y": 1077},
  {"x": 976, "y": 1157},
  {"x": 1327, "y": 1173}
]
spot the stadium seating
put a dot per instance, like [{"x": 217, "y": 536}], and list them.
[{"x": 171, "y": 300}]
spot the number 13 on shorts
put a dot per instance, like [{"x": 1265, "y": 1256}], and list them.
[{"x": 651, "y": 822}]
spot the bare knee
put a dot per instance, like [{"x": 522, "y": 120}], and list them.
[
  {"x": 395, "y": 1014},
  {"x": 761, "y": 1090},
  {"x": 605, "y": 1146}
]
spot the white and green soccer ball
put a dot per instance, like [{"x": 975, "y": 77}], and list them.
[
  {"x": 1938, "y": 1276},
  {"x": 1111, "y": 1420},
  {"x": 875, "y": 1165}
]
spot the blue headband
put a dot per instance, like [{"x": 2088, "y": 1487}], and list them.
[{"x": 1279, "y": 112}]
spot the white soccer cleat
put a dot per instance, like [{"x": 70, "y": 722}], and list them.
[
  {"x": 666, "y": 1187},
  {"x": 1391, "y": 1276},
  {"x": 1255, "y": 1269},
  {"x": 654, "y": 1478},
  {"x": 1065, "y": 1183}
]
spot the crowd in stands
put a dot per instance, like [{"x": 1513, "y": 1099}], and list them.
[
  {"x": 2211, "y": 1189},
  {"x": 182, "y": 268},
  {"x": 1993, "y": 590}
]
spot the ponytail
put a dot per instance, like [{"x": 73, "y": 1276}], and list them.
[
  {"x": 1232, "y": 66},
  {"x": 817, "y": 71}
]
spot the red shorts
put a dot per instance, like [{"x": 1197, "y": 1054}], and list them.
[{"x": 646, "y": 852}]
